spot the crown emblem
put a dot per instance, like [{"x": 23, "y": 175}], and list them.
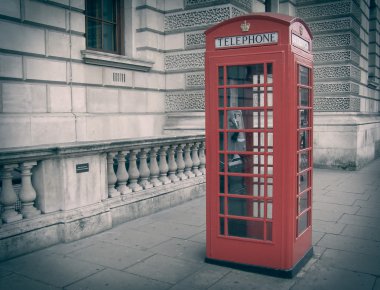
[
  {"x": 301, "y": 29},
  {"x": 245, "y": 26}
]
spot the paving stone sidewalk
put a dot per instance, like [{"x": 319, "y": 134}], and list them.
[{"x": 166, "y": 250}]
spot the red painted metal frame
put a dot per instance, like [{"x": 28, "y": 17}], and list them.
[{"x": 286, "y": 246}]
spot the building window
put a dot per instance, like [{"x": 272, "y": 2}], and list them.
[{"x": 103, "y": 25}]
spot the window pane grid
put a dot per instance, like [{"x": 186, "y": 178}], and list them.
[{"x": 245, "y": 101}]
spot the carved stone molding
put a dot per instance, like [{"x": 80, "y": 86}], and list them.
[
  {"x": 244, "y": 4},
  {"x": 184, "y": 61},
  {"x": 185, "y": 101},
  {"x": 325, "y": 10},
  {"x": 195, "y": 80},
  {"x": 195, "y": 39},
  {"x": 336, "y": 56},
  {"x": 336, "y": 72},
  {"x": 337, "y": 104}
]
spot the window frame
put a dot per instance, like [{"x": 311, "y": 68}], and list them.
[{"x": 119, "y": 39}]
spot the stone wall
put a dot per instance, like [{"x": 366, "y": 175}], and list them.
[{"x": 54, "y": 91}]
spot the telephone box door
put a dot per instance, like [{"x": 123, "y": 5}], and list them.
[{"x": 245, "y": 124}]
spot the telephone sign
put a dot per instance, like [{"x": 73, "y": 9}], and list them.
[{"x": 259, "y": 143}]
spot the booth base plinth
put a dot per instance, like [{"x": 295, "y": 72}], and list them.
[{"x": 289, "y": 273}]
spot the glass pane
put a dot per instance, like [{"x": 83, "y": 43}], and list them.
[
  {"x": 221, "y": 75},
  {"x": 221, "y": 184},
  {"x": 221, "y": 98},
  {"x": 246, "y": 229},
  {"x": 221, "y": 119},
  {"x": 269, "y": 119},
  {"x": 221, "y": 162},
  {"x": 221, "y": 141},
  {"x": 303, "y": 97},
  {"x": 270, "y": 164},
  {"x": 269, "y": 231},
  {"x": 270, "y": 142},
  {"x": 93, "y": 8},
  {"x": 109, "y": 10},
  {"x": 269, "y": 96},
  {"x": 269, "y": 210},
  {"x": 303, "y": 161},
  {"x": 258, "y": 186},
  {"x": 303, "y": 222},
  {"x": 245, "y": 97},
  {"x": 303, "y": 75},
  {"x": 257, "y": 119},
  {"x": 269, "y": 187},
  {"x": 251, "y": 186},
  {"x": 303, "y": 181},
  {"x": 94, "y": 34},
  {"x": 303, "y": 118},
  {"x": 221, "y": 205},
  {"x": 252, "y": 164},
  {"x": 303, "y": 202},
  {"x": 109, "y": 33},
  {"x": 304, "y": 139},
  {"x": 245, "y": 74},
  {"x": 269, "y": 73},
  {"x": 221, "y": 226},
  {"x": 240, "y": 207}
]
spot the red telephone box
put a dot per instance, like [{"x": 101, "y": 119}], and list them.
[{"x": 259, "y": 101}]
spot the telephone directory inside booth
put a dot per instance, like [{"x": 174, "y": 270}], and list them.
[{"x": 259, "y": 132}]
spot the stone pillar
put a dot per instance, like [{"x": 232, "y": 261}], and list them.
[
  {"x": 8, "y": 196},
  {"x": 122, "y": 174},
  {"x": 163, "y": 166},
  {"x": 202, "y": 158},
  {"x": 153, "y": 167},
  {"x": 28, "y": 193},
  {"x": 180, "y": 163},
  {"x": 172, "y": 164},
  {"x": 111, "y": 176},
  {"x": 133, "y": 171},
  {"x": 195, "y": 159},
  {"x": 144, "y": 169},
  {"x": 188, "y": 161}
]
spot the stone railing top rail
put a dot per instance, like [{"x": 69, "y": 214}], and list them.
[{"x": 22, "y": 154}]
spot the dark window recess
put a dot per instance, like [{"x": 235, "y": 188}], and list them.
[
  {"x": 118, "y": 77},
  {"x": 103, "y": 25}
]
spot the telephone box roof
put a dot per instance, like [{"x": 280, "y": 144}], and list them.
[{"x": 275, "y": 17}]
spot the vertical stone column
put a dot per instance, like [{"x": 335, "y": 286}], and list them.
[
  {"x": 195, "y": 159},
  {"x": 180, "y": 163},
  {"x": 172, "y": 164},
  {"x": 111, "y": 176},
  {"x": 153, "y": 167},
  {"x": 188, "y": 161},
  {"x": 122, "y": 174},
  {"x": 202, "y": 158},
  {"x": 144, "y": 169},
  {"x": 133, "y": 171},
  {"x": 28, "y": 193},
  {"x": 163, "y": 165},
  {"x": 8, "y": 196}
]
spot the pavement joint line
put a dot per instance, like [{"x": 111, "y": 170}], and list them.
[{"x": 68, "y": 285}]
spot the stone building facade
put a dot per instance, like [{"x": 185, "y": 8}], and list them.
[{"x": 53, "y": 89}]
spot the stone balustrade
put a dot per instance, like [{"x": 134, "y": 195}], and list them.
[{"x": 42, "y": 187}]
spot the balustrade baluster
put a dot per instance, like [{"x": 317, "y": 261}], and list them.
[
  {"x": 172, "y": 164},
  {"x": 180, "y": 162},
  {"x": 122, "y": 174},
  {"x": 195, "y": 159},
  {"x": 28, "y": 193},
  {"x": 111, "y": 176},
  {"x": 163, "y": 165},
  {"x": 188, "y": 161},
  {"x": 153, "y": 167},
  {"x": 133, "y": 171},
  {"x": 202, "y": 158},
  {"x": 144, "y": 169},
  {"x": 8, "y": 196}
]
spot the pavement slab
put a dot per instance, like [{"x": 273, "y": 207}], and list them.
[
  {"x": 366, "y": 233},
  {"x": 19, "y": 282}
]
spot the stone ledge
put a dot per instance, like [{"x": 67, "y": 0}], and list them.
[{"x": 114, "y": 60}]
